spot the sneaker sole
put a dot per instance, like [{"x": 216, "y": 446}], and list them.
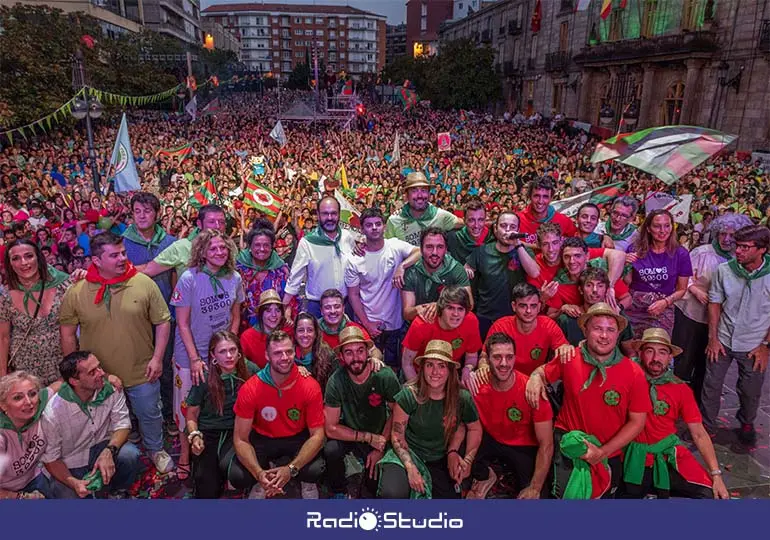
[{"x": 487, "y": 484}]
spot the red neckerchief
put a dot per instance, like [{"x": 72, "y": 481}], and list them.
[{"x": 92, "y": 276}]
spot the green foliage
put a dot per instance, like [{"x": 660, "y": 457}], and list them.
[
  {"x": 461, "y": 76},
  {"x": 300, "y": 77}
]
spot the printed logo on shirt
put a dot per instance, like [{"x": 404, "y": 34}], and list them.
[
  {"x": 612, "y": 398},
  {"x": 35, "y": 447},
  {"x": 650, "y": 275},
  {"x": 375, "y": 399},
  {"x": 457, "y": 343},
  {"x": 535, "y": 353},
  {"x": 661, "y": 408},
  {"x": 514, "y": 414},
  {"x": 293, "y": 414},
  {"x": 269, "y": 414},
  {"x": 177, "y": 296},
  {"x": 215, "y": 302}
]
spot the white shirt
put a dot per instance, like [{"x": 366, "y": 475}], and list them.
[
  {"x": 704, "y": 263},
  {"x": 320, "y": 267},
  {"x": 373, "y": 274},
  {"x": 71, "y": 433}
]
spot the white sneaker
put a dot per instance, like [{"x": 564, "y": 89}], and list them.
[
  {"x": 309, "y": 491},
  {"x": 257, "y": 492},
  {"x": 479, "y": 489},
  {"x": 163, "y": 462}
]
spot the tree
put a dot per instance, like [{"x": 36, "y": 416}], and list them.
[{"x": 302, "y": 75}]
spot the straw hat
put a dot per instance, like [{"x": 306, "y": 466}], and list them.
[
  {"x": 352, "y": 334},
  {"x": 268, "y": 297},
  {"x": 416, "y": 179},
  {"x": 656, "y": 335},
  {"x": 438, "y": 349},
  {"x": 602, "y": 309}
]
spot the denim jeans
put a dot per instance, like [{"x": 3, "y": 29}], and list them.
[
  {"x": 167, "y": 377},
  {"x": 144, "y": 400},
  {"x": 40, "y": 483},
  {"x": 127, "y": 467}
]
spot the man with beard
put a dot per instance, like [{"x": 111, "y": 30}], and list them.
[
  {"x": 514, "y": 432},
  {"x": 418, "y": 213},
  {"x": 539, "y": 211},
  {"x": 320, "y": 260},
  {"x": 475, "y": 233},
  {"x": 374, "y": 280},
  {"x": 496, "y": 268},
  {"x": 358, "y": 412},
  {"x": 435, "y": 271},
  {"x": 619, "y": 227},
  {"x": 606, "y": 401},
  {"x": 592, "y": 286},
  {"x": 278, "y": 418},
  {"x": 455, "y": 324},
  {"x": 657, "y": 460}
]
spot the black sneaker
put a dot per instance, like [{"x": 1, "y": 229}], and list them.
[{"x": 747, "y": 434}]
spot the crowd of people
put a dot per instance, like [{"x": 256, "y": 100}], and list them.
[{"x": 461, "y": 330}]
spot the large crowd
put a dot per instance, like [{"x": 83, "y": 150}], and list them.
[{"x": 460, "y": 330}]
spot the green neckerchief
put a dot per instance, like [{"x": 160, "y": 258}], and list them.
[
  {"x": 95, "y": 481},
  {"x": 326, "y": 330},
  {"x": 132, "y": 233},
  {"x": 666, "y": 378},
  {"x": 214, "y": 277},
  {"x": 599, "y": 367},
  {"x": 266, "y": 376},
  {"x": 548, "y": 215},
  {"x": 573, "y": 445},
  {"x": 663, "y": 453},
  {"x": 6, "y": 423},
  {"x": 627, "y": 231},
  {"x": 67, "y": 393},
  {"x": 427, "y": 216},
  {"x": 304, "y": 360},
  {"x": 390, "y": 457},
  {"x": 55, "y": 278},
  {"x": 233, "y": 379},
  {"x": 465, "y": 238},
  {"x": 274, "y": 262},
  {"x": 435, "y": 277},
  {"x": 719, "y": 251},
  {"x": 562, "y": 276},
  {"x": 318, "y": 237},
  {"x": 741, "y": 272},
  {"x": 193, "y": 233}
]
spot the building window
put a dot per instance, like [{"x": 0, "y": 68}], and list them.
[
  {"x": 275, "y": 20},
  {"x": 332, "y": 56},
  {"x": 319, "y": 20},
  {"x": 672, "y": 105},
  {"x": 370, "y": 25},
  {"x": 564, "y": 36},
  {"x": 298, "y": 32},
  {"x": 653, "y": 18},
  {"x": 342, "y": 44},
  {"x": 286, "y": 54},
  {"x": 342, "y": 33},
  {"x": 284, "y": 33},
  {"x": 423, "y": 24},
  {"x": 275, "y": 43},
  {"x": 319, "y": 33},
  {"x": 460, "y": 6},
  {"x": 287, "y": 45},
  {"x": 308, "y": 20},
  {"x": 308, "y": 32},
  {"x": 275, "y": 31},
  {"x": 424, "y": 9},
  {"x": 298, "y": 44},
  {"x": 319, "y": 43},
  {"x": 332, "y": 34},
  {"x": 332, "y": 23},
  {"x": 332, "y": 45},
  {"x": 297, "y": 20},
  {"x": 299, "y": 54},
  {"x": 276, "y": 54},
  {"x": 557, "y": 98},
  {"x": 285, "y": 21},
  {"x": 342, "y": 56}
]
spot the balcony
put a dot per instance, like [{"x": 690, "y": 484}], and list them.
[
  {"x": 557, "y": 61},
  {"x": 486, "y": 36},
  {"x": 644, "y": 49},
  {"x": 514, "y": 28},
  {"x": 171, "y": 30},
  {"x": 764, "y": 36}
]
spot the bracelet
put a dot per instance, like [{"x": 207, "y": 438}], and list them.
[
  {"x": 194, "y": 434},
  {"x": 452, "y": 452}
]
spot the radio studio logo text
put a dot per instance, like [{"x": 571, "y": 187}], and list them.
[{"x": 370, "y": 519}]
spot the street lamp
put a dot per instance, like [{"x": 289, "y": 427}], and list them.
[{"x": 87, "y": 108}]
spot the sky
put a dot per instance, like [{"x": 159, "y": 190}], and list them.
[{"x": 394, "y": 10}]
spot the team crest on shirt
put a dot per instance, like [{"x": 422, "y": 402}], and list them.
[
  {"x": 375, "y": 399},
  {"x": 612, "y": 398},
  {"x": 535, "y": 353},
  {"x": 269, "y": 414},
  {"x": 514, "y": 414},
  {"x": 457, "y": 343},
  {"x": 293, "y": 414},
  {"x": 177, "y": 296},
  {"x": 661, "y": 408}
]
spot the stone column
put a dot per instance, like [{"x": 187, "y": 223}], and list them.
[
  {"x": 690, "y": 89},
  {"x": 645, "y": 103},
  {"x": 584, "y": 97}
]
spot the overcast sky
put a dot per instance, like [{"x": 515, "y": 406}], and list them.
[{"x": 395, "y": 10}]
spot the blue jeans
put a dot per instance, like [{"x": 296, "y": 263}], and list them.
[
  {"x": 127, "y": 467},
  {"x": 40, "y": 483},
  {"x": 144, "y": 400}
]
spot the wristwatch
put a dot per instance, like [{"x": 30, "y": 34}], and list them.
[
  {"x": 294, "y": 471},
  {"x": 716, "y": 472},
  {"x": 113, "y": 450}
]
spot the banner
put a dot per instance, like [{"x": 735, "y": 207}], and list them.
[
  {"x": 192, "y": 108},
  {"x": 678, "y": 206},
  {"x": 181, "y": 153},
  {"x": 278, "y": 134},
  {"x": 599, "y": 196},
  {"x": 348, "y": 212},
  {"x": 124, "y": 173},
  {"x": 444, "y": 142}
]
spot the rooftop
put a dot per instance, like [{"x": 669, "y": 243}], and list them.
[{"x": 288, "y": 8}]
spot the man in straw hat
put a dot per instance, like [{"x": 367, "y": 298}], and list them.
[
  {"x": 433, "y": 421},
  {"x": 606, "y": 401},
  {"x": 358, "y": 411},
  {"x": 657, "y": 460},
  {"x": 418, "y": 213}
]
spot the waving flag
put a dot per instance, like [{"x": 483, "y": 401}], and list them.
[
  {"x": 181, "y": 153},
  {"x": 261, "y": 198},
  {"x": 598, "y": 196},
  {"x": 678, "y": 206},
  {"x": 278, "y": 134},
  {"x": 341, "y": 176},
  {"x": 192, "y": 108},
  {"x": 348, "y": 212},
  {"x": 606, "y": 8},
  {"x": 206, "y": 194},
  {"x": 408, "y": 97},
  {"x": 212, "y": 107},
  {"x": 124, "y": 173}
]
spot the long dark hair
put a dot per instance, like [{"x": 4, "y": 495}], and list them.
[
  {"x": 216, "y": 388},
  {"x": 644, "y": 243},
  {"x": 324, "y": 359},
  {"x": 421, "y": 390},
  {"x": 42, "y": 266}
]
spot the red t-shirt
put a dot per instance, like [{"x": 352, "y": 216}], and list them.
[
  {"x": 254, "y": 344},
  {"x": 533, "y": 349},
  {"x": 464, "y": 339},
  {"x": 528, "y": 224},
  {"x": 569, "y": 293},
  {"x": 548, "y": 273},
  {"x": 507, "y": 416},
  {"x": 601, "y": 409},
  {"x": 332, "y": 340},
  {"x": 679, "y": 403},
  {"x": 299, "y": 406}
]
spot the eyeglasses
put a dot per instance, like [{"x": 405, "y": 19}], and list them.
[
  {"x": 615, "y": 213},
  {"x": 744, "y": 246}
]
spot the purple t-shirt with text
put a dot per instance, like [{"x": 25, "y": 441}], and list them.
[{"x": 658, "y": 272}]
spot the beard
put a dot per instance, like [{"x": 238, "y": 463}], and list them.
[{"x": 356, "y": 368}]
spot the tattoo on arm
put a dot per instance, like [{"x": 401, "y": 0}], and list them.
[{"x": 399, "y": 443}]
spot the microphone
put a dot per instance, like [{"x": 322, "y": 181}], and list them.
[{"x": 516, "y": 236}]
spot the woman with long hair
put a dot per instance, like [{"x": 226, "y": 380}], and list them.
[
  {"x": 270, "y": 317},
  {"x": 661, "y": 270},
  {"x": 207, "y": 299},
  {"x": 312, "y": 353},
  {"x": 29, "y": 313},
  {"x": 261, "y": 268},
  {"x": 432, "y": 418},
  {"x": 210, "y": 417}
]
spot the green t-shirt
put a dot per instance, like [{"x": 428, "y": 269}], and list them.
[
  {"x": 426, "y": 287},
  {"x": 425, "y": 429},
  {"x": 496, "y": 274},
  {"x": 364, "y": 406},
  {"x": 460, "y": 244},
  {"x": 176, "y": 255},
  {"x": 409, "y": 230},
  {"x": 209, "y": 418}
]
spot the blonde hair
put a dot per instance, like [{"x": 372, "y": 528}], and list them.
[
  {"x": 7, "y": 382},
  {"x": 201, "y": 245}
]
